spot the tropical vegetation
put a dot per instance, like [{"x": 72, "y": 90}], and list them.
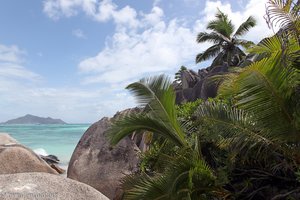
[{"x": 243, "y": 144}]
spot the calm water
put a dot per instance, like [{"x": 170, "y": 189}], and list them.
[{"x": 59, "y": 140}]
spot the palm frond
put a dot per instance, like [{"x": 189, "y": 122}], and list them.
[
  {"x": 221, "y": 25},
  {"x": 229, "y": 85},
  {"x": 185, "y": 176},
  {"x": 208, "y": 53},
  {"x": 211, "y": 37},
  {"x": 142, "y": 122},
  {"x": 244, "y": 43},
  {"x": 236, "y": 129},
  {"x": 268, "y": 46},
  {"x": 245, "y": 27},
  {"x": 142, "y": 186},
  {"x": 285, "y": 14},
  {"x": 265, "y": 89},
  {"x": 157, "y": 94}
]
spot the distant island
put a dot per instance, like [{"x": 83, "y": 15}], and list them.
[{"x": 31, "y": 119}]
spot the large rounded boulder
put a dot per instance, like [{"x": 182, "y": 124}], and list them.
[
  {"x": 97, "y": 164},
  {"x": 44, "y": 186},
  {"x": 16, "y": 158}
]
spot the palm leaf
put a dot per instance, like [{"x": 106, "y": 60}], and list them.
[
  {"x": 229, "y": 85},
  {"x": 244, "y": 43},
  {"x": 160, "y": 116},
  {"x": 221, "y": 25},
  {"x": 158, "y": 95},
  {"x": 271, "y": 46},
  {"x": 245, "y": 27},
  {"x": 284, "y": 14},
  {"x": 142, "y": 122},
  {"x": 210, "y": 37},
  {"x": 265, "y": 89},
  {"x": 208, "y": 53},
  {"x": 185, "y": 176},
  {"x": 142, "y": 186},
  {"x": 236, "y": 129}
]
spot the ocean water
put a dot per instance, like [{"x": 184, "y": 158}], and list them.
[{"x": 56, "y": 139}]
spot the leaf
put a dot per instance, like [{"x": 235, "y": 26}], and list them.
[{"x": 245, "y": 27}]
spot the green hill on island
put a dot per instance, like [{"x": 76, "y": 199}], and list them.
[{"x": 31, "y": 119}]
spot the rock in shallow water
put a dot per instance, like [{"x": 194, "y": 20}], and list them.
[{"x": 44, "y": 186}]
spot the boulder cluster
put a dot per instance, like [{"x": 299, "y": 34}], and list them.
[
  {"x": 26, "y": 175},
  {"x": 194, "y": 85}
]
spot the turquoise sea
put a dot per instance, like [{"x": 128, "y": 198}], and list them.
[{"x": 59, "y": 140}]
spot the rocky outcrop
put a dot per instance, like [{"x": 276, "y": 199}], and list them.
[
  {"x": 16, "y": 158},
  {"x": 198, "y": 85},
  {"x": 97, "y": 164},
  {"x": 43, "y": 186}
]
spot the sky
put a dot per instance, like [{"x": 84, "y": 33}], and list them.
[{"x": 72, "y": 59}]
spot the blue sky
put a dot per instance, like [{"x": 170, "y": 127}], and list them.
[{"x": 71, "y": 59}]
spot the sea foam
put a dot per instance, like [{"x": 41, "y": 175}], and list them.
[{"x": 41, "y": 151}]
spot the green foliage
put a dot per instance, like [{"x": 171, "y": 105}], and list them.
[
  {"x": 183, "y": 173},
  {"x": 153, "y": 159},
  {"x": 186, "y": 110},
  {"x": 185, "y": 177}
]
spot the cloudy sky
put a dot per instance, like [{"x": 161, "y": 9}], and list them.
[{"x": 71, "y": 59}]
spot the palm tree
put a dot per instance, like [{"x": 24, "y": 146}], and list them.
[
  {"x": 226, "y": 41},
  {"x": 178, "y": 75}
]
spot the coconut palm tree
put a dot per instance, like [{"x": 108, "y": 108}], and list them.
[
  {"x": 225, "y": 41},
  {"x": 178, "y": 75}
]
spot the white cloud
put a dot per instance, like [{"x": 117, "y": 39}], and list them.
[
  {"x": 11, "y": 60},
  {"x": 79, "y": 34},
  {"x": 154, "y": 17},
  {"x": 10, "y": 53},
  {"x": 10, "y": 70},
  {"x": 99, "y": 10},
  {"x": 161, "y": 47},
  {"x": 130, "y": 56}
]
